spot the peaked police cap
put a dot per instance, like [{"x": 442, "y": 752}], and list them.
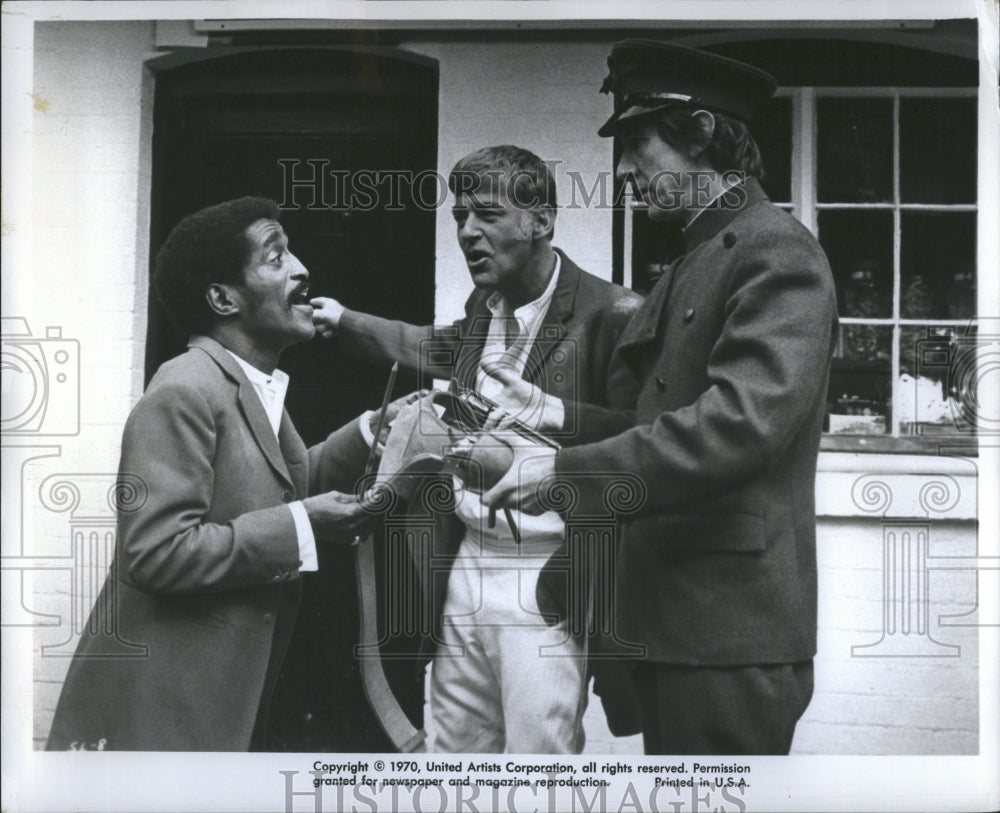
[{"x": 647, "y": 76}]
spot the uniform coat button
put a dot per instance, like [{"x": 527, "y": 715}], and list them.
[
  {"x": 267, "y": 619},
  {"x": 729, "y": 239},
  {"x": 661, "y": 384},
  {"x": 286, "y": 496},
  {"x": 689, "y": 314}
]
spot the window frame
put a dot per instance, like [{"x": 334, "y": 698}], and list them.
[{"x": 806, "y": 207}]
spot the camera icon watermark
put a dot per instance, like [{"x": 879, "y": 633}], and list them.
[
  {"x": 966, "y": 360},
  {"x": 911, "y": 508},
  {"x": 41, "y": 381}
]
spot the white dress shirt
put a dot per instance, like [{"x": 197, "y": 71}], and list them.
[
  {"x": 271, "y": 390},
  {"x": 546, "y": 530}
]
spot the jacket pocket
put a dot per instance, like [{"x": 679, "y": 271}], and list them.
[{"x": 732, "y": 532}]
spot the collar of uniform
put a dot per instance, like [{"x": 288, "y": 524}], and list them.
[{"x": 709, "y": 222}]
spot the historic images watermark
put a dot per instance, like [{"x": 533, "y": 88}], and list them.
[
  {"x": 965, "y": 362},
  {"x": 41, "y": 403},
  {"x": 490, "y": 786},
  {"x": 41, "y": 400},
  {"x": 316, "y": 184},
  {"x": 41, "y": 381}
]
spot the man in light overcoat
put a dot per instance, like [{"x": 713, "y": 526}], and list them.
[{"x": 184, "y": 645}]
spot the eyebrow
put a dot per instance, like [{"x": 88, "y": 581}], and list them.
[{"x": 277, "y": 236}]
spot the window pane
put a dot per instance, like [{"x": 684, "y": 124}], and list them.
[
  {"x": 854, "y": 150},
  {"x": 937, "y": 265},
  {"x": 859, "y": 246},
  {"x": 938, "y": 376},
  {"x": 937, "y": 150},
  {"x": 860, "y": 388},
  {"x": 773, "y": 135}
]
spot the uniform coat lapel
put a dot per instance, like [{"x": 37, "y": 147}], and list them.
[{"x": 642, "y": 329}]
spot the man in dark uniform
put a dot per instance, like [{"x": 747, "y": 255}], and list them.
[{"x": 731, "y": 351}]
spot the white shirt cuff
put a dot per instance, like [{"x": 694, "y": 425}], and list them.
[
  {"x": 553, "y": 414},
  {"x": 304, "y": 535}
]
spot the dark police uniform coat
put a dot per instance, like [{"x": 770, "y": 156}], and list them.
[
  {"x": 183, "y": 646},
  {"x": 731, "y": 350}
]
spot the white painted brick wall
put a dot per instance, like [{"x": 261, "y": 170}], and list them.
[{"x": 91, "y": 225}]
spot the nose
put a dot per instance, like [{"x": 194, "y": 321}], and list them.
[
  {"x": 624, "y": 168},
  {"x": 299, "y": 272},
  {"x": 468, "y": 229}
]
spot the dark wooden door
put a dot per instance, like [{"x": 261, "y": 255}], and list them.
[{"x": 251, "y": 124}]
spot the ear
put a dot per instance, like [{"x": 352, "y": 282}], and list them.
[
  {"x": 543, "y": 222},
  {"x": 706, "y": 126},
  {"x": 222, "y": 299}
]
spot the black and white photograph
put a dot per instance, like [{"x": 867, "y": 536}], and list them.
[{"x": 497, "y": 406}]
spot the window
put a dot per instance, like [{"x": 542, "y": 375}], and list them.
[{"x": 886, "y": 180}]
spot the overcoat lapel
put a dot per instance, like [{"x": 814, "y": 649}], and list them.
[
  {"x": 553, "y": 326},
  {"x": 250, "y": 406},
  {"x": 470, "y": 350},
  {"x": 295, "y": 455}
]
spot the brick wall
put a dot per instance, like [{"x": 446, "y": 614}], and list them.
[{"x": 91, "y": 174}]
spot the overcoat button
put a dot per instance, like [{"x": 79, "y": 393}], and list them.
[
  {"x": 729, "y": 239},
  {"x": 266, "y": 619},
  {"x": 286, "y": 496},
  {"x": 689, "y": 314},
  {"x": 661, "y": 384}
]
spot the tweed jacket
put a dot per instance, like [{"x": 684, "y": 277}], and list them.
[
  {"x": 731, "y": 351},
  {"x": 206, "y": 565},
  {"x": 570, "y": 359}
]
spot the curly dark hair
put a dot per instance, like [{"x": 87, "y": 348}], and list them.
[
  {"x": 530, "y": 180},
  {"x": 731, "y": 147},
  {"x": 205, "y": 247}
]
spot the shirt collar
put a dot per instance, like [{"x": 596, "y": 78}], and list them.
[
  {"x": 271, "y": 389},
  {"x": 498, "y": 306},
  {"x": 259, "y": 377}
]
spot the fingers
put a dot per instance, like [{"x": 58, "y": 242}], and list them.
[
  {"x": 504, "y": 492},
  {"x": 503, "y": 373},
  {"x": 498, "y": 418},
  {"x": 326, "y": 315}
]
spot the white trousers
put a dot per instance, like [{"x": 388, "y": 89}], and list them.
[{"x": 504, "y": 680}]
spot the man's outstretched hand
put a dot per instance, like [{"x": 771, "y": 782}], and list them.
[
  {"x": 533, "y": 466},
  {"x": 326, "y": 315},
  {"x": 521, "y": 401}
]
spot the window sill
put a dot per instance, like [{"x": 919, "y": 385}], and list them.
[
  {"x": 933, "y": 482},
  {"x": 963, "y": 445}
]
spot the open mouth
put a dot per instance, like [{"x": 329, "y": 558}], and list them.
[
  {"x": 300, "y": 297},
  {"x": 475, "y": 256}
]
